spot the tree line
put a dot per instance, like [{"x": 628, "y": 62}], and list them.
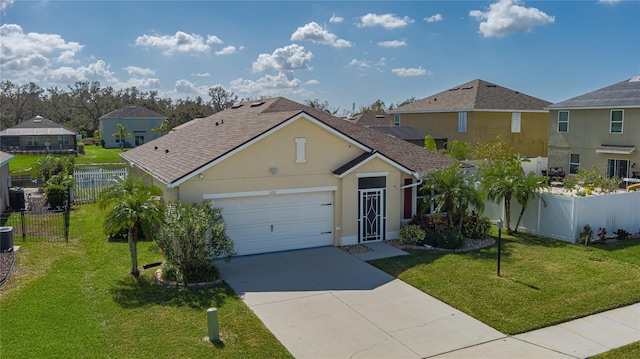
[{"x": 80, "y": 106}]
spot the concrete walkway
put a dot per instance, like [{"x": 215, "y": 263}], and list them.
[{"x": 326, "y": 303}]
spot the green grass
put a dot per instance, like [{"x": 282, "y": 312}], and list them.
[
  {"x": 631, "y": 351},
  {"x": 543, "y": 282},
  {"x": 77, "y": 299},
  {"x": 21, "y": 164}
]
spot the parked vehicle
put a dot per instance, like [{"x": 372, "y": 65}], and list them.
[{"x": 555, "y": 174}]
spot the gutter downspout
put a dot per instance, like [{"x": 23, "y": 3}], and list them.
[
  {"x": 416, "y": 176},
  {"x": 172, "y": 191}
]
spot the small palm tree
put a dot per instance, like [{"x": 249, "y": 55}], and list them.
[
  {"x": 454, "y": 191},
  {"x": 527, "y": 188},
  {"x": 122, "y": 134},
  {"x": 131, "y": 203},
  {"x": 499, "y": 183},
  {"x": 164, "y": 127}
]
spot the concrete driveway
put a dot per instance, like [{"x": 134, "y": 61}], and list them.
[{"x": 326, "y": 303}]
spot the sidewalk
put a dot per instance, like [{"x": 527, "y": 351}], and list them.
[{"x": 580, "y": 338}]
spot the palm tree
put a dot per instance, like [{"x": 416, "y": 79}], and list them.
[
  {"x": 164, "y": 127},
  {"x": 527, "y": 188},
  {"x": 122, "y": 134},
  {"x": 131, "y": 203},
  {"x": 505, "y": 180},
  {"x": 454, "y": 191}
]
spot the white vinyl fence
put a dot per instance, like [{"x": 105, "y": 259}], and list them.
[
  {"x": 563, "y": 217},
  {"x": 90, "y": 183}
]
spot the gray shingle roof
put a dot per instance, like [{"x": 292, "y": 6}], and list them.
[
  {"x": 133, "y": 111},
  {"x": 181, "y": 153},
  {"x": 406, "y": 133},
  {"x": 37, "y": 126},
  {"x": 622, "y": 94},
  {"x": 475, "y": 95},
  {"x": 370, "y": 119}
]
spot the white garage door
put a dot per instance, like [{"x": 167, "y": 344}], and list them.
[{"x": 260, "y": 224}]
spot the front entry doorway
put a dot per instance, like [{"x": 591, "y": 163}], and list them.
[{"x": 372, "y": 209}]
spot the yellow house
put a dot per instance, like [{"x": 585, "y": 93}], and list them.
[
  {"x": 288, "y": 176},
  {"x": 479, "y": 111},
  {"x": 599, "y": 128}
]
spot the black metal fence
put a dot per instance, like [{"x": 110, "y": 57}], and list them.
[{"x": 52, "y": 226}]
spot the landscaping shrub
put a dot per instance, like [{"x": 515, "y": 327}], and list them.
[
  {"x": 412, "y": 234},
  {"x": 430, "y": 237},
  {"x": 622, "y": 234},
  {"x": 586, "y": 235},
  {"x": 56, "y": 195},
  {"x": 191, "y": 238},
  {"x": 475, "y": 226},
  {"x": 450, "y": 239}
]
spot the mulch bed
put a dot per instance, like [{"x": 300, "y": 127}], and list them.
[
  {"x": 6, "y": 262},
  {"x": 468, "y": 245}
]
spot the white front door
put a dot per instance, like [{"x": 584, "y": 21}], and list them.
[
  {"x": 271, "y": 223},
  {"x": 372, "y": 219}
]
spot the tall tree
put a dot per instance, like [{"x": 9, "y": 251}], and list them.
[
  {"x": 132, "y": 205},
  {"x": 122, "y": 134},
  {"x": 377, "y": 107},
  {"x": 322, "y": 106},
  {"x": 19, "y": 102},
  {"x": 221, "y": 99},
  {"x": 92, "y": 102},
  {"x": 528, "y": 188},
  {"x": 164, "y": 127}
]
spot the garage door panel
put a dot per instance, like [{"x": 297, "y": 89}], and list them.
[{"x": 262, "y": 224}]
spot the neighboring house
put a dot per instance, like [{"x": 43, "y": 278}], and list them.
[
  {"x": 379, "y": 122},
  {"x": 479, "y": 111},
  {"x": 288, "y": 176},
  {"x": 137, "y": 120},
  {"x": 5, "y": 158},
  {"x": 599, "y": 128},
  {"x": 410, "y": 134},
  {"x": 38, "y": 135}
]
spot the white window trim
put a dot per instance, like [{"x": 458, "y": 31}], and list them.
[
  {"x": 462, "y": 122},
  {"x": 396, "y": 120},
  {"x": 516, "y": 120},
  {"x": 559, "y": 112},
  {"x": 574, "y": 163},
  {"x": 611, "y": 123},
  {"x": 301, "y": 153}
]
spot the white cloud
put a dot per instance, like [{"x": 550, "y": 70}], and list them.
[
  {"x": 16, "y": 45},
  {"x": 268, "y": 85},
  {"x": 336, "y": 19},
  {"x": 226, "y": 51},
  {"x": 507, "y": 16},
  {"x": 186, "y": 87},
  {"x": 4, "y": 4},
  {"x": 98, "y": 71},
  {"x": 393, "y": 43},
  {"x": 408, "y": 72},
  {"x": 213, "y": 39},
  {"x": 388, "y": 21},
  {"x": 202, "y": 74},
  {"x": 315, "y": 33},
  {"x": 292, "y": 57},
  {"x": 141, "y": 83},
  {"x": 138, "y": 71},
  {"x": 312, "y": 82},
  {"x": 434, "y": 18},
  {"x": 170, "y": 44},
  {"x": 609, "y": 1},
  {"x": 359, "y": 63}
]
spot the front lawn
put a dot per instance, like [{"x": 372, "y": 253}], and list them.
[
  {"x": 22, "y": 163},
  {"x": 77, "y": 300},
  {"x": 543, "y": 282}
]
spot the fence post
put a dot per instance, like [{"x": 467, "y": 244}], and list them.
[
  {"x": 67, "y": 208},
  {"x": 24, "y": 232}
]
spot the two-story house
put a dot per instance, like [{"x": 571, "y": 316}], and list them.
[
  {"x": 479, "y": 111},
  {"x": 599, "y": 128},
  {"x": 137, "y": 120}
]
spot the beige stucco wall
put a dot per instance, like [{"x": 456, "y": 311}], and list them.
[
  {"x": 589, "y": 129},
  {"x": 484, "y": 126},
  {"x": 249, "y": 171}
]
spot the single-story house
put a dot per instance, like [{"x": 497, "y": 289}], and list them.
[
  {"x": 288, "y": 176},
  {"x": 5, "y": 158},
  {"x": 137, "y": 120},
  {"x": 38, "y": 135}
]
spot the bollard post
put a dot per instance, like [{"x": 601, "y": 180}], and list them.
[{"x": 212, "y": 324}]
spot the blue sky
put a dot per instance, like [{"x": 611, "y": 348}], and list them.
[{"x": 342, "y": 52}]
